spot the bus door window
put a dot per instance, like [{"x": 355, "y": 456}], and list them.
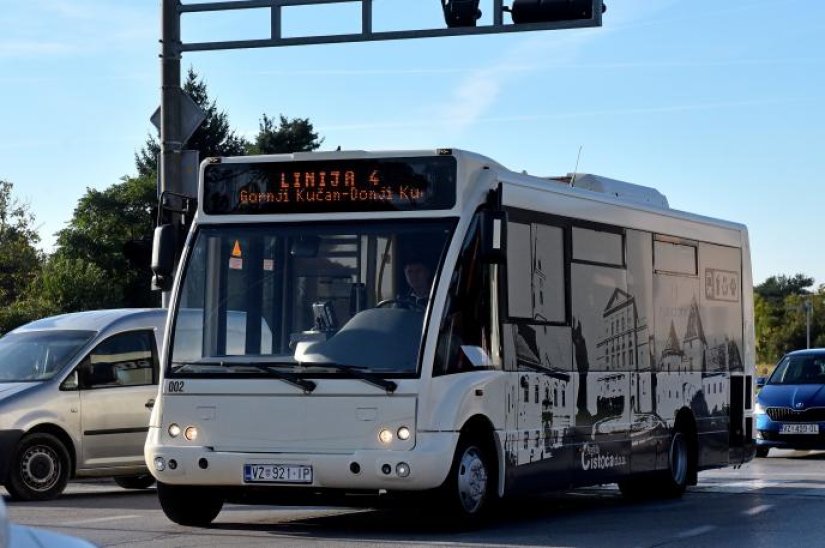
[{"x": 467, "y": 331}]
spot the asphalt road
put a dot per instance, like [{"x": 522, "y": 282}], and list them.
[{"x": 770, "y": 502}]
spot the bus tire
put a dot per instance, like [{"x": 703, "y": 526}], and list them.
[
  {"x": 141, "y": 481},
  {"x": 39, "y": 468},
  {"x": 195, "y": 506},
  {"x": 470, "y": 487},
  {"x": 762, "y": 452},
  {"x": 674, "y": 480}
]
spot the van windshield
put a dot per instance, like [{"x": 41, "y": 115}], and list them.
[
  {"x": 325, "y": 299},
  {"x": 38, "y": 355}
]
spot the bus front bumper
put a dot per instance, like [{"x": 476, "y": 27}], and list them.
[{"x": 424, "y": 467}]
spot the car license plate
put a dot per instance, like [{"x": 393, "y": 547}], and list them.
[
  {"x": 277, "y": 473},
  {"x": 799, "y": 429}
]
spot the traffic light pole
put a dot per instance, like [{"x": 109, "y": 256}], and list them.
[{"x": 170, "y": 126}]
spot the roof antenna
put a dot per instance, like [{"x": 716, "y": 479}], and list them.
[{"x": 576, "y": 169}]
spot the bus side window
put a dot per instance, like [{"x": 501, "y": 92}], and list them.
[{"x": 467, "y": 315}]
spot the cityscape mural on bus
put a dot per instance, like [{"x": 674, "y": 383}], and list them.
[{"x": 613, "y": 371}]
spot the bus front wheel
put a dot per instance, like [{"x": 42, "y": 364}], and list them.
[
  {"x": 195, "y": 506},
  {"x": 470, "y": 487}
]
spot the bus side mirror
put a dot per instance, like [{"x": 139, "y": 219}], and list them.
[
  {"x": 760, "y": 382},
  {"x": 163, "y": 257},
  {"x": 493, "y": 237}
]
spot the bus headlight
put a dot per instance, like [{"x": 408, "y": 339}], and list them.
[
  {"x": 385, "y": 436},
  {"x": 403, "y": 433},
  {"x": 758, "y": 409},
  {"x": 191, "y": 433},
  {"x": 174, "y": 430}
]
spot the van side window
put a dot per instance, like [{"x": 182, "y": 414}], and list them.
[{"x": 127, "y": 359}]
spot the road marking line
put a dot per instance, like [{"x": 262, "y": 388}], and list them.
[
  {"x": 757, "y": 509},
  {"x": 94, "y": 520},
  {"x": 696, "y": 531}
]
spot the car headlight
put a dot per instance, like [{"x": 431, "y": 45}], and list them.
[{"x": 758, "y": 409}]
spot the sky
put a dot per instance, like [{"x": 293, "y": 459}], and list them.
[{"x": 718, "y": 105}]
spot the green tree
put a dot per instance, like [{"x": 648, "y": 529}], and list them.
[
  {"x": 102, "y": 224},
  {"x": 69, "y": 284},
  {"x": 776, "y": 288},
  {"x": 212, "y": 138},
  {"x": 296, "y": 135},
  {"x": 780, "y": 316},
  {"x": 20, "y": 260}
]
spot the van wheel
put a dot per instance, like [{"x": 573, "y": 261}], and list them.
[
  {"x": 143, "y": 481},
  {"x": 39, "y": 468},
  {"x": 197, "y": 506},
  {"x": 470, "y": 489},
  {"x": 675, "y": 478}
]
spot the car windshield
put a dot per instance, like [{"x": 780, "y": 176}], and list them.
[
  {"x": 802, "y": 369},
  {"x": 317, "y": 298},
  {"x": 38, "y": 355}
]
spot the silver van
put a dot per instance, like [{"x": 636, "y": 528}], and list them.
[{"x": 76, "y": 391}]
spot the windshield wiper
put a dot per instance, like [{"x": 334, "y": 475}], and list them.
[
  {"x": 359, "y": 373},
  {"x": 307, "y": 385},
  {"x": 271, "y": 369}
]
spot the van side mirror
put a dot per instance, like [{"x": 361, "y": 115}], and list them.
[
  {"x": 163, "y": 257},
  {"x": 493, "y": 237},
  {"x": 71, "y": 382}
]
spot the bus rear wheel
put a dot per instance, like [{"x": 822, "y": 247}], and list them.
[
  {"x": 669, "y": 483},
  {"x": 674, "y": 480},
  {"x": 196, "y": 506}
]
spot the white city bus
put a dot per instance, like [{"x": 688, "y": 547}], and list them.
[{"x": 578, "y": 331}]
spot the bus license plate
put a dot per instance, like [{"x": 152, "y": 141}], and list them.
[
  {"x": 277, "y": 473},
  {"x": 799, "y": 429}
]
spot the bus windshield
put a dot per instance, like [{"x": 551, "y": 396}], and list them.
[{"x": 334, "y": 299}]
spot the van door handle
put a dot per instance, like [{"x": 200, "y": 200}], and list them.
[{"x": 150, "y": 404}]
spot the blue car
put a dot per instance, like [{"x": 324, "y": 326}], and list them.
[{"x": 790, "y": 407}]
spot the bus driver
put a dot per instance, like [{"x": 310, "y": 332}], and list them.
[{"x": 419, "y": 277}]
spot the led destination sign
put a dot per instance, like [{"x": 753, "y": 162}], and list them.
[{"x": 382, "y": 184}]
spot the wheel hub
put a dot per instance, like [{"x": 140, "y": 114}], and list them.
[
  {"x": 472, "y": 480},
  {"x": 41, "y": 468}
]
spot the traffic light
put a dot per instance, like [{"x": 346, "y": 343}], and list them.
[
  {"x": 545, "y": 11},
  {"x": 461, "y": 13}
]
